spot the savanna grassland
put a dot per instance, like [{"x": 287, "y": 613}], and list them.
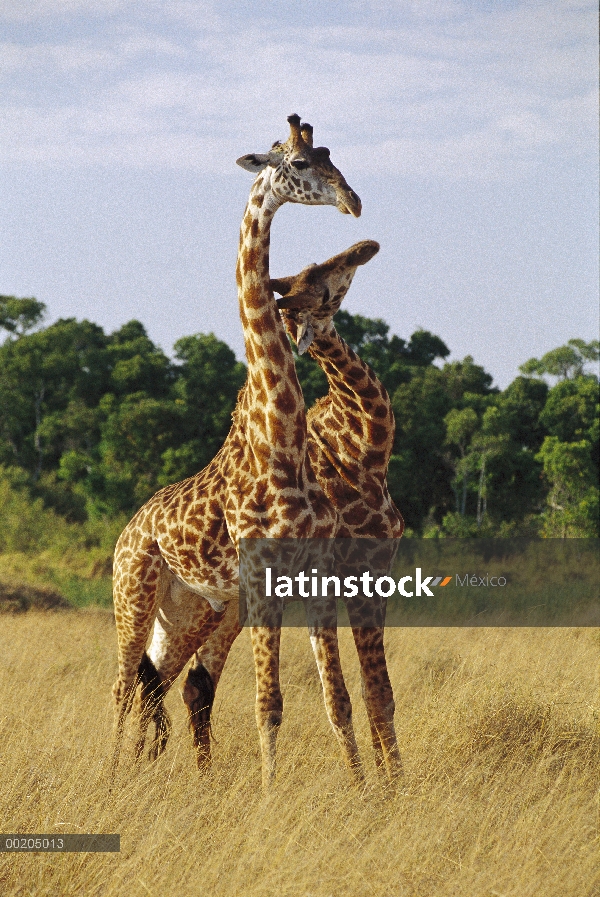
[{"x": 499, "y": 733}]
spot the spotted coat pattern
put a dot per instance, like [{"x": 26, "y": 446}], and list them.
[
  {"x": 350, "y": 438},
  {"x": 175, "y": 564}
]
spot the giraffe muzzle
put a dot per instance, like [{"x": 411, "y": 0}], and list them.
[
  {"x": 304, "y": 335},
  {"x": 349, "y": 202}
]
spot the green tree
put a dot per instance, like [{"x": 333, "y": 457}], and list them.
[
  {"x": 572, "y": 503},
  {"x": 514, "y": 486},
  {"x": 17, "y": 316},
  {"x": 419, "y": 474},
  {"x": 461, "y": 424},
  {"x": 208, "y": 381},
  {"x": 427, "y": 474},
  {"x": 134, "y": 436},
  {"x": 137, "y": 364},
  {"x": 565, "y": 362},
  {"x": 92, "y": 424},
  {"x": 487, "y": 444},
  {"x": 41, "y": 373},
  {"x": 571, "y": 411},
  {"x": 520, "y": 406}
]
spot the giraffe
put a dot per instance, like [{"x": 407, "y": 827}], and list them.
[
  {"x": 344, "y": 430},
  {"x": 350, "y": 438},
  {"x": 175, "y": 565}
]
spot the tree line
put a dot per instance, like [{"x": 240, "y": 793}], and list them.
[{"x": 92, "y": 424}]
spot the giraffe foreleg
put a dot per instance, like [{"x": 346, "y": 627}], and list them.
[
  {"x": 379, "y": 699},
  {"x": 269, "y": 701},
  {"x": 123, "y": 699},
  {"x": 337, "y": 700}
]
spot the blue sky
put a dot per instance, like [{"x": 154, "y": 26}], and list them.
[{"x": 468, "y": 129}]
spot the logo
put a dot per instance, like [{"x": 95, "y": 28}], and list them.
[{"x": 365, "y": 584}]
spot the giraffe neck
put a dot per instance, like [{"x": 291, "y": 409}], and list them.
[
  {"x": 360, "y": 417},
  {"x": 273, "y": 395}
]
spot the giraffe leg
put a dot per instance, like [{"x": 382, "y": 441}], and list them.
[
  {"x": 203, "y": 677},
  {"x": 337, "y": 700},
  {"x": 184, "y": 621},
  {"x": 379, "y": 699},
  {"x": 269, "y": 701},
  {"x": 375, "y": 739},
  {"x": 138, "y": 579}
]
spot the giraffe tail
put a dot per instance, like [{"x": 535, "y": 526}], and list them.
[
  {"x": 199, "y": 695},
  {"x": 152, "y": 708}
]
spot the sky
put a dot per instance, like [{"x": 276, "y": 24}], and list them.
[{"x": 469, "y": 130}]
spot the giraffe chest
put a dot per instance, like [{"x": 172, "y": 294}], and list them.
[
  {"x": 269, "y": 489},
  {"x": 262, "y": 507},
  {"x": 360, "y": 519},
  {"x": 281, "y": 503}
]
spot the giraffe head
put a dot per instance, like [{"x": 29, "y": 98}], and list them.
[
  {"x": 311, "y": 299},
  {"x": 302, "y": 173}
]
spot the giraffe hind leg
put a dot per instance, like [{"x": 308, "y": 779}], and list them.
[
  {"x": 138, "y": 581},
  {"x": 324, "y": 643},
  {"x": 375, "y": 739},
  {"x": 203, "y": 678}
]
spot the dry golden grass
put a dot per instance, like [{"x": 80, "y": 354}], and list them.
[{"x": 499, "y": 735}]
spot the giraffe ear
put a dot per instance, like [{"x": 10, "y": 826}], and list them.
[
  {"x": 282, "y": 285},
  {"x": 254, "y": 162},
  {"x": 301, "y": 301}
]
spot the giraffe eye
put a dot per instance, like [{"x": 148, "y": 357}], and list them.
[{"x": 300, "y": 164}]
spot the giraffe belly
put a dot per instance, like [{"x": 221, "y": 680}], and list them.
[
  {"x": 184, "y": 620},
  {"x": 213, "y": 577}
]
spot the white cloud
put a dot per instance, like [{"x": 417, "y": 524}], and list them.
[
  {"x": 78, "y": 56},
  {"x": 52, "y": 59},
  {"x": 470, "y": 93},
  {"x": 18, "y": 11}
]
